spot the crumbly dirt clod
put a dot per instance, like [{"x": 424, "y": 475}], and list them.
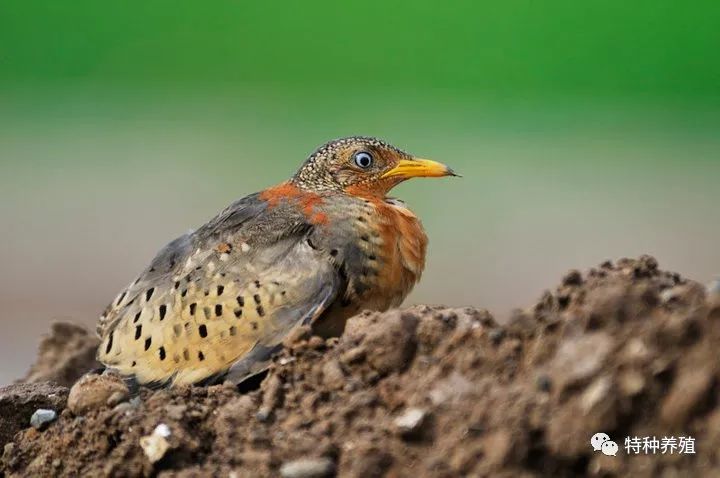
[
  {"x": 18, "y": 403},
  {"x": 625, "y": 348},
  {"x": 65, "y": 355},
  {"x": 93, "y": 392}
]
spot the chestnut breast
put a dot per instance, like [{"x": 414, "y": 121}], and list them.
[{"x": 379, "y": 246}]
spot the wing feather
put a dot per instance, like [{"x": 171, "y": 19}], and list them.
[{"x": 220, "y": 300}]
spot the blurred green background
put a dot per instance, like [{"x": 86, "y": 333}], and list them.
[{"x": 584, "y": 131}]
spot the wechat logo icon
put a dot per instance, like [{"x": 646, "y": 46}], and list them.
[{"x": 601, "y": 442}]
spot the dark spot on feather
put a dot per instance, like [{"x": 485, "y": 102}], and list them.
[
  {"x": 177, "y": 285},
  {"x": 372, "y": 258},
  {"x": 110, "y": 343},
  {"x": 220, "y": 289},
  {"x": 254, "y": 325},
  {"x": 193, "y": 306},
  {"x": 310, "y": 243},
  {"x": 138, "y": 332},
  {"x": 149, "y": 294},
  {"x": 120, "y": 299},
  {"x": 207, "y": 292},
  {"x": 257, "y": 284},
  {"x": 186, "y": 354},
  {"x": 201, "y": 356},
  {"x": 218, "y": 310},
  {"x": 238, "y": 313},
  {"x": 343, "y": 273},
  {"x": 257, "y": 299},
  {"x": 163, "y": 311},
  {"x": 260, "y": 311},
  {"x": 241, "y": 301},
  {"x": 162, "y": 353},
  {"x": 184, "y": 293},
  {"x": 232, "y": 331},
  {"x": 148, "y": 343},
  {"x": 334, "y": 252},
  {"x": 361, "y": 219},
  {"x": 203, "y": 331},
  {"x": 364, "y": 238},
  {"x": 133, "y": 364},
  {"x": 137, "y": 317}
]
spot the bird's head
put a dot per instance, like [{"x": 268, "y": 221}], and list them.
[{"x": 363, "y": 166}]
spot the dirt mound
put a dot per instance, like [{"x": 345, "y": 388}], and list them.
[
  {"x": 64, "y": 355},
  {"x": 625, "y": 349}
]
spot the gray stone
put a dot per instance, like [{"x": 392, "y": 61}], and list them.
[
  {"x": 308, "y": 468},
  {"x": 411, "y": 422},
  {"x": 18, "y": 402},
  {"x": 42, "y": 418}
]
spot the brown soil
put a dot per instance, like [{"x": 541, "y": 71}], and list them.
[{"x": 624, "y": 349}]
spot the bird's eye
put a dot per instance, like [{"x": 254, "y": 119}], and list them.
[{"x": 363, "y": 159}]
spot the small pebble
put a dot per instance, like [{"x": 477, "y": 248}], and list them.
[
  {"x": 308, "y": 468},
  {"x": 411, "y": 422},
  {"x": 263, "y": 414},
  {"x": 42, "y": 417},
  {"x": 162, "y": 430},
  {"x": 156, "y": 445},
  {"x": 596, "y": 393},
  {"x": 631, "y": 383}
]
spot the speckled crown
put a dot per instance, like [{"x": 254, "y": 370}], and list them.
[{"x": 314, "y": 173}]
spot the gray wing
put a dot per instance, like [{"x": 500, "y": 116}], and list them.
[
  {"x": 220, "y": 299},
  {"x": 172, "y": 259}
]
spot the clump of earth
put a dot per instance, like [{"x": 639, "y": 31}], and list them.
[{"x": 625, "y": 349}]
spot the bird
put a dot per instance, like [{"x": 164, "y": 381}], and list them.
[{"x": 216, "y": 303}]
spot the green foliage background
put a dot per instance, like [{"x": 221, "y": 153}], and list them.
[{"x": 662, "y": 50}]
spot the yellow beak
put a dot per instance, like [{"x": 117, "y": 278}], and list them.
[{"x": 419, "y": 168}]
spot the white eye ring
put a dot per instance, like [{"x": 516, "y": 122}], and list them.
[{"x": 363, "y": 159}]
